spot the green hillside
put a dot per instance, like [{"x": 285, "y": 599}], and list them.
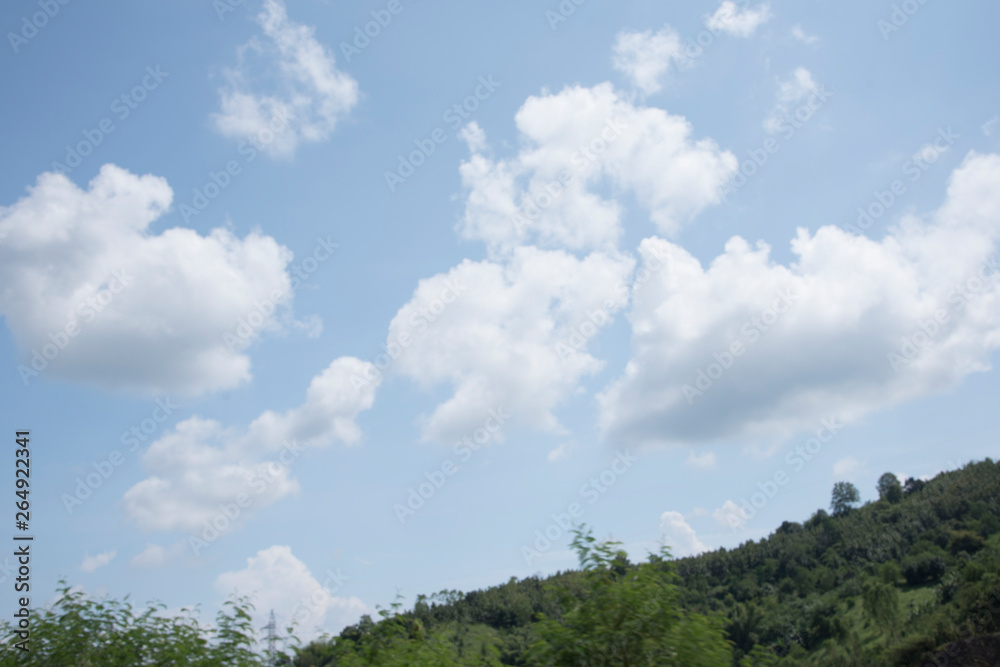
[
  {"x": 891, "y": 583},
  {"x": 911, "y": 579}
]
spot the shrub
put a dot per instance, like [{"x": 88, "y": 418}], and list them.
[
  {"x": 923, "y": 569},
  {"x": 966, "y": 540}
]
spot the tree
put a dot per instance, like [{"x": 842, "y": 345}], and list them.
[
  {"x": 889, "y": 488},
  {"x": 845, "y": 496},
  {"x": 913, "y": 485},
  {"x": 84, "y": 631},
  {"x": 628, "y": 616},
  {"x": 881, "y": 605}
]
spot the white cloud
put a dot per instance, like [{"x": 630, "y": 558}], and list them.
[
  {"x": 800, "y": 34},
  {"x": 701, "y": 460},
  {"x": 67, "y": 251},
  {"x": 200, "y": 466},
  {"x": 990, "y": 126},
  {"x": 91, "y": 563},
  {"x": 277, "y": 580},
  {"x": 792, "y": 93},
  {"x": 646, "y": 57},
  {"x": 853, "y": 300},
  {"x": 309, "y": 93},
  {"x": 513, "y": 332},
  {"x": 576, "y": 141},
  {"x": 738, "y": 22},
  {"x": 729, "y": 515},
  {"x": 846, "y": 466},
  {"x": 155, "y": 555},
  {"x": 562, "y": 452},
  {"x": 498, "y": 341},
  {"x": 679, "y": 536}
]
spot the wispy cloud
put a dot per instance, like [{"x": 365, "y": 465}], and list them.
[
  {"x": 738, "y": 22},
  {"x": 91, "y": 563},
  {"x": 308, "y": 94},
  {"x": 792, "y": 93},
  {"x": 645, "y": 58},
  {"x": 800, "y": 34}
]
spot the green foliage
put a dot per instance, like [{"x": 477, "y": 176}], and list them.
[
  {"x": 628, "y": 616},
  {"x": 845, "y": 495},
  {"x": 967, "y": 541},
  {"x": 81, "y": 631},
  {"x": 889, "y": 488},
  {"x": 913, "y": 485},
  {"x": 887, "y": 584},
  {"x": 890, "y": 572},
  {"x": 400, "y": 640},
  {"x": 890, "y": 583},
  {"x": 881, "y": 605},
  {"x": 923, "y": 569},
  {"x": 760, "y": 656}
]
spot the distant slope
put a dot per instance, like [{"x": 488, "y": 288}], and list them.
[{"x": 890, "y": 583}]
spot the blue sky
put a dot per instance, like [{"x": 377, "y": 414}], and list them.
[{"x": 629, "y": 264}]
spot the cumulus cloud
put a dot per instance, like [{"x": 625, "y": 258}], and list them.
[
  {"x": 92, "y": 296},
  {"x": 749, "y": 348},
  {"x": 731, "y": 19},
  {"x": 646, "y": 57},
  {"x": 729, "y": 515},
  {"x": 201, "y": 466},
  {"x": 308, "y": 94},
  {"x": 91, "y": 563},
  {"x": 277, "y": 580},
  {"x": 512, "y": 338},
  {"x": 679, "y": 536},
  {"x": 511, "y": 332},
  {"x": 574, "y": 142},
  {"x": 792, "y": 93},
  {"x": 846, "y": 466}
]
